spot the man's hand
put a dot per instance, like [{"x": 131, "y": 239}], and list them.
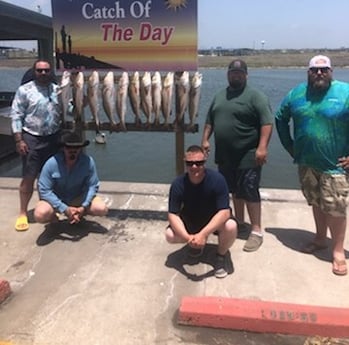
[
  {"x": 343, "y": 162},
  {"x": 22, "y": 147},
  {"x": 74, "y": 214},
  {"x": 261, "y": 156},
  {"x": 197, "y": 241}
]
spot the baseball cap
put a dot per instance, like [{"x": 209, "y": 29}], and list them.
[
  {"x": 320, "y": 61},
  {"x": 238, "y": 65}
]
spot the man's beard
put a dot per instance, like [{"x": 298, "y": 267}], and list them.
[
  {"x": 72, "y": 157},
  {"x": 319, "y": 84}
]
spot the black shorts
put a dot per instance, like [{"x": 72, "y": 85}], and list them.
[
  {"x": 243, "y": 183},
  {"x": 40, "y": 149},
  {"x": 194, "y": 228}
]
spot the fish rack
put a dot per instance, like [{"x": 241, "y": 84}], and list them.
[{"x": 118, "y": 94}]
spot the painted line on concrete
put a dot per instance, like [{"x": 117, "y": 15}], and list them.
[{"x": 264, "y": 317}]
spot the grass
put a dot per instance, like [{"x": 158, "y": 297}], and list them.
[
  {"x": 274, "y": 60},
  {"x": 264, "y": 59}
]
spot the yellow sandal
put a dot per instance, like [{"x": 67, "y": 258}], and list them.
[{"x": 22, "y": 223}]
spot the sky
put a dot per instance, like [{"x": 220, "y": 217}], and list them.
[{"x": 256, "y": 24}]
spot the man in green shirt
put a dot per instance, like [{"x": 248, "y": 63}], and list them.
[{"x": 241, "y": 119}]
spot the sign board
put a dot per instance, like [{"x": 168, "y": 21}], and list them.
[{"x": 128, "y": 35}]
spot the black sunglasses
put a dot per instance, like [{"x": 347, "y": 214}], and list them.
[
  {"x": 192, "y": 163},
  {"x": 323, "y": 70},
  {"x": 40, "y": 70}
]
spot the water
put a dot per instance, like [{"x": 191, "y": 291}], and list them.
[{"x": 149, "y": 157}]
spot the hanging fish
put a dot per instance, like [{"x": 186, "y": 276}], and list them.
[
  {"x": 146, "y": 97},
  {"x": 122, "y": 99},
  {"x": 108, "y": 98},
  {"x": 93, "y": 97},
  {"x": 135, "y": 97},
  {"x": 64, "y": 94},
  {"x": 166, "y": 97},
  {"x": 78, "y": 96},
  {"x": 156, "y": 86},
  {"x": 182, "y": 95},
  {"x": 194, "y": 98}
]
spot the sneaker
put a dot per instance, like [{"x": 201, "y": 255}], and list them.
[
  {"x": 253, "y": 242},
  {"x": 220, "y": 268}
]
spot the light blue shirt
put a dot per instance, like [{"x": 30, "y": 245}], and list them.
[
  {"x": 36, "y": 109},
  {"x": 59, "y": 186}
]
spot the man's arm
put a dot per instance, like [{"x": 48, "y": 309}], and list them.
[
  {"x": 93, "y": 184},
  {"x": 282, "y": 122},
  {"x": 178, "y": 227},
  {"x": 45, "y": 187},
  {"x": 262, "y": 149},
  {"x": 205, "y": 143}
]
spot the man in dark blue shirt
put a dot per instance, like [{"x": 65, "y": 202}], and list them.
[{"x": 199, "y": 207}]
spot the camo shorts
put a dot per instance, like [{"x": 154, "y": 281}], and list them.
[{"x": 326, "y": 191}]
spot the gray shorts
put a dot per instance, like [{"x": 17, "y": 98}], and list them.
[
  {"x": 40, "y": 149},
  {"x": 326, "y": 191}
]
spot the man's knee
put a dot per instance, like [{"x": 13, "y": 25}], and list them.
[
  {"x": 230, "y": 228},
  {"x": 170, "y": 235}
]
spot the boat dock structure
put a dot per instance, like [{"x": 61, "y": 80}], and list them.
[{"x": 115, "y": 280}]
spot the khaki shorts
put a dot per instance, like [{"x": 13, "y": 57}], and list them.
[{"x": 326, "y": 191}]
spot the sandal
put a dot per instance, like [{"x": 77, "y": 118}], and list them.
[
  {"x": 22, "y": 223},
  {"x": 312, "y": 247},
  {"x": 339, "y": 267}
]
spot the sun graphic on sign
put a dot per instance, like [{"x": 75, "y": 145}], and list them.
[{"x": 175, "y": 4}]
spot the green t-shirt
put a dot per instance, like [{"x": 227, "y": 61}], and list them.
[{"x": 236, "y": 119}]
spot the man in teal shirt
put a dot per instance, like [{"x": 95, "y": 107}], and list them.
[{"x": 319, "y": 110}]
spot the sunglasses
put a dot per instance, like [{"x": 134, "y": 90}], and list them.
[
  {"x": 323, "y": 70},
  {"x": 41, "y": 70},
  {"x": 192, "y": 163}
]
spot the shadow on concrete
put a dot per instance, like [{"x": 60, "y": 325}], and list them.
[
  {"x": 180, "y": 258},
  {"x": 67, "y": 232},
  {"x": 138, "y": 214},
  {"x": 296, "y": 239}
]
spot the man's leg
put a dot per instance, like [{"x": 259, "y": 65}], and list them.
[
  {"x": 172, "y": 237},
  {"x": 239, "y": 209},
  {"x": 44, "y": 213},
  {"x": 25, "y": 193},
  {"x": 227, "y": 236},
  {"x": 97, "y": 207},
  {"x": 337, "y": 227},
  {"x": 254, "y": 212},
  {"x": 321, "y": 223}
]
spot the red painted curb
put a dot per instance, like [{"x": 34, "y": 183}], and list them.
[
  {"x": 5, "y": 290},
  {"x": 264, "y": 317}
]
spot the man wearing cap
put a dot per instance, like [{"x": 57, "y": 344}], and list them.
[
  {"x": 240, "y": 118},
  {"x": 319, "y": 110},
  {"x": 68, "y": 184}
]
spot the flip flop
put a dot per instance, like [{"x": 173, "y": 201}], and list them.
[
  {"x": 312, "y": 247},
  {"x": 22, "y": 223},
  {"x": 339, "y": 267}
]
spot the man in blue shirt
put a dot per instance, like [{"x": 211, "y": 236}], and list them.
[
  {"x": 68, "y": 184},
  {"x": 198, "y": 207},
  {"x": 319, "y": 110}
]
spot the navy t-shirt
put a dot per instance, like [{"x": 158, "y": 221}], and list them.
[{"x": 198, "y": 203}]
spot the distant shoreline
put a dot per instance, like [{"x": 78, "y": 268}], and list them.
[{"x": 264, "y": 59}]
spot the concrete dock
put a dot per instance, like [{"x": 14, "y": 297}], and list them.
[{"x": 114, "y": 280}]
